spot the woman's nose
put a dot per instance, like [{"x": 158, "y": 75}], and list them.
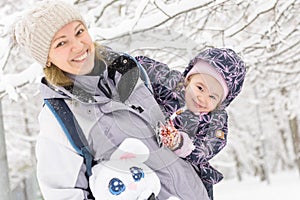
[{"x": 77, "y": 45}]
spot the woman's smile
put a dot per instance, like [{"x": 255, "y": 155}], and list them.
[
  {"x": 81, "y": 58},
  {"x": 72, "y": 49}
]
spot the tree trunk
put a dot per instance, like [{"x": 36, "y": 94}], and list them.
[
  {"x": 5, "y": 192},
  {"x": 261, "y": 149},
  {"x": 237, "y": 165},
  {"x": 296, "y": 140}
]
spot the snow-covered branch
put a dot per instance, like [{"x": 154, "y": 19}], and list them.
[
  {"x": 148, "y": 22},
  {"x": 9, "y": 82},
  {"x": 264, "y": 33}
]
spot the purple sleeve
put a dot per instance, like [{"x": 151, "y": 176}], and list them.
[
  {"x": 211, "y": 137},
  {"x": 159, "y": 73}
]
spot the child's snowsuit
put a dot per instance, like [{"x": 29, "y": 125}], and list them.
[{"x": 208, "y": 131}]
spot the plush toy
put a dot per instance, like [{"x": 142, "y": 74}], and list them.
[{"x": 125, "y": 176}]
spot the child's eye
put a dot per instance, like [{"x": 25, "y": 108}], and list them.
[
  {"x": 213, "y": 97},
  {"x": 200, "y": 88}
]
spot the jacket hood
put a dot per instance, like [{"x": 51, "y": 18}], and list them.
[{"x": 228, "y": 64}]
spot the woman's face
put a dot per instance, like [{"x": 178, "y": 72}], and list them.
[
  {"x": 72, "y": 49},
  {"x": 203, "y": 93}
]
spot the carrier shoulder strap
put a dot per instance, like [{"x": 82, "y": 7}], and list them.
[
  {"x": 143, "y": 74},
  {"x": 72, "y": 129}
]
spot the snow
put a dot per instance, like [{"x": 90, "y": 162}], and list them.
[
  {"x": 173, "y": 31},
  {"x": 283, "y": 185}
]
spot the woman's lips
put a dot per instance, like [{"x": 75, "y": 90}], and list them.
[{"x": 81, "y": 57}]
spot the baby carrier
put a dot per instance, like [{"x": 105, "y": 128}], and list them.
[{"x": 130, "y": 70}]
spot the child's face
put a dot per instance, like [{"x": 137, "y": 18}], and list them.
[
  {"x": 203, "y": 93},
  {"x": 72, "y": 49}
]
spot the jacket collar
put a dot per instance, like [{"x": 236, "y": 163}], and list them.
[{"x": 115, "y": 77}]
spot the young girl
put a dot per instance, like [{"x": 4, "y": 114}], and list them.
[{"x": 194, "y": 102}]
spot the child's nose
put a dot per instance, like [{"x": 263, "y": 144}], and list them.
[{"x": 201, "y": 98}]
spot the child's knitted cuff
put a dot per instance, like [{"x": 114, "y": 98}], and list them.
[
  {"x": 178, "y": 144},
  {"x": 187, "y": 146}
]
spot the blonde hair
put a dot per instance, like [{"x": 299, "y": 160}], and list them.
[{"x": 56, "y": 76}]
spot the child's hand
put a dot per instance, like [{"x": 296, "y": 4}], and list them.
[
  {"x": 175, "y": 140},
  {"x": 187, "y": 146},
  {"x": 169, "y": 135}
]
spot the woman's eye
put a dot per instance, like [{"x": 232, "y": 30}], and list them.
[
  {"x": 80, "y": 31},
  {"x": 60, "y": 44}
]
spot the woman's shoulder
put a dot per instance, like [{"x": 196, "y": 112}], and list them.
[{"x": 50, "y": 127}]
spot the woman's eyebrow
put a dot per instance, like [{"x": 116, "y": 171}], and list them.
[
  {"x": 77, "y": 26},
  {"x": 63, "y": 36}
]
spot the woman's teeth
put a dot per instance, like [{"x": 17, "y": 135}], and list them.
[{"x": 81, "y": 58}]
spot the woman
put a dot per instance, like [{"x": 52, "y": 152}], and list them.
[{"x": 109, "y": 104}]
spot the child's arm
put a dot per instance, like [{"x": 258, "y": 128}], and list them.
[
  {"x": 209, "y": 133},
  {"x": 159, "y": 73},
  {"x": 211, "y": 139},
  {"x": 187, "y": 146},
  {"x": 177, "y": 141}
]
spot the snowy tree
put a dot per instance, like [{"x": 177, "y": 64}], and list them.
[
  {"x": 263, "y": 120},
  {"x": 4, "y": 187}
]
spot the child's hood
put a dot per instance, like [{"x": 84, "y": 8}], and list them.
[{"x": 228, "y": 64}]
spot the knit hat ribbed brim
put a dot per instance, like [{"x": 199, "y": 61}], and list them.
[{"x": 35, "y": 30}]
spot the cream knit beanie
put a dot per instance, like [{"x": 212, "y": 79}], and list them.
[{"x": 35, "y": 30}]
